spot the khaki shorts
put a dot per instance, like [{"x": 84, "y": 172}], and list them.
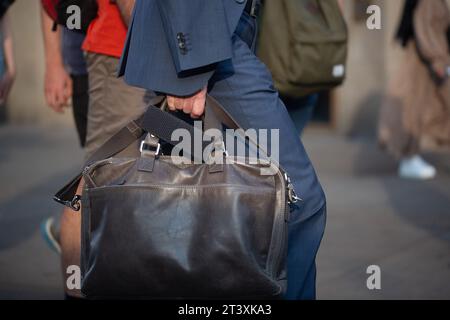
[{"x": 112, "y": 103}]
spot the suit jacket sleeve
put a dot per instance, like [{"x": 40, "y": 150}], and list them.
[{"x": 197, "y": 33}]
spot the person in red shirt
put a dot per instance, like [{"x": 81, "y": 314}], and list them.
[
  {"x": 107, "y": 33},
  {"x": 112, "y": 102}
]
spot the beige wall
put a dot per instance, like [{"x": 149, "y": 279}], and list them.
[
  {"x": 372, "y": 60},
  {"x": 26, "y": 103}
]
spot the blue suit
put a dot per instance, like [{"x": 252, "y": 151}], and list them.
[
  {"x": 220, "y": 54},
  {"x": 195, "y": 35}
]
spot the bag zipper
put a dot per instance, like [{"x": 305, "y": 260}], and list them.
[{"x": 282, "y": 219}]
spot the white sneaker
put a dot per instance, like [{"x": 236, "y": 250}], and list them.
[{"x": 416, "y": 168}]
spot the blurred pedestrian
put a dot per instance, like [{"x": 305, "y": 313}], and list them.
[
  {"x": 418, "y": 101},
  {"x": 7, "y": 62},
  {"x": 112, "y": 104},
  {"x": 65, "y": 78}
]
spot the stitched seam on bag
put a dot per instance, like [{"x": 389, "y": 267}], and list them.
[{"x": 163, "y": 186}]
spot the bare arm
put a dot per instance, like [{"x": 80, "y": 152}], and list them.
[
  {"x": 8, "y": 49},
  {"x": 125, "y": 8},
  {"x": 58, "y": 85},
  {"x": 8, "y": 45},
  {"x": 341, "y": 5},
  {"x": 52, "y": 42}
]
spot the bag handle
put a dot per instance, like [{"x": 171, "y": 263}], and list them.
[
  {"x": 161, "y": 124},
  {"x": 154, "y": 121}
]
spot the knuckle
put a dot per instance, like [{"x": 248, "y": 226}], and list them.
[
  {"x": 187, "y": 107},
  {"x": 196, "y": 113}
]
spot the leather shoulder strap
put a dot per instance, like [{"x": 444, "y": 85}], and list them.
[{"x": 157, "y": 122}]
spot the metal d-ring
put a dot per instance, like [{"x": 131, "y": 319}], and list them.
[
  {"x": 75, "y": 204},
  {"x": 147, "y": 147}
]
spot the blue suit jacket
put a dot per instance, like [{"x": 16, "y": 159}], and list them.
[{"x": 173, "y": 46}]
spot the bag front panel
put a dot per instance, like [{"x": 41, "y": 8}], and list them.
[{"x": 200, "y": 235}]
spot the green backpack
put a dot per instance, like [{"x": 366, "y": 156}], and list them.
[{"x": 304, "y": 44}]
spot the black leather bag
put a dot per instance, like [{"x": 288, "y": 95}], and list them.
[{"x": 154, "y": 229}]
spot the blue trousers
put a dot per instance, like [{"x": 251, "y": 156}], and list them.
[
  {"x": 301, "y": 110},
  {"x": 245, "y": 88}
]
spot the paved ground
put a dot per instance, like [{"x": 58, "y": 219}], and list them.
[{"x": 374, "y": 217}]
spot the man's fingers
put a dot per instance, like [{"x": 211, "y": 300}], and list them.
[
  {"x": 176, "y": 103},
  {"x": 60, "y": 102},
  {"x": 56, "y": 98},
  {"x": 199, "y": 107},
  {"x": 51, "y": 101},
  {"x": 193, "y": 105},
  {"x": 66, "y": 93},
  {"x": 199, "y": 104},
  {"x": 68, "y": 89},
  {"x": 59, "y": 99},
  {"x": 188, "y": 105},
  {"x": 179, "y": 104},
  {"x": 171, "y": 103}
]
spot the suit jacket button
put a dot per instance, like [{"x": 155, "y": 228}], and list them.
[{"x": 182, "y": 42}]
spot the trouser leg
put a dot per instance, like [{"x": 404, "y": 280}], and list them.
[
  {"x": 245, "y": 88},
  {"x": 301, "y": 110},
  {"x": 80, "y": 101},
  {"x": 112, "y": 103}
]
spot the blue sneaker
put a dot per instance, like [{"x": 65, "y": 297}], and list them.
[{"x": 51, "y": 234}]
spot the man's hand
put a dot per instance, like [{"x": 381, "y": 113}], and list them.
[
  {"x": 193, "y": 105},
  {"x": 58, "y": 87}
]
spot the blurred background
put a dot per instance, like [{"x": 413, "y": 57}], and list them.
[{"x": 374, "y": 217}]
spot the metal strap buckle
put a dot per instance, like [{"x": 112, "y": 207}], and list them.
[
  {"x": 224, "y": 149},
  {"x": 220, "y": 145},
  {"x": 74, "y": 204},
  {"x": 147, "y": 147}
]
